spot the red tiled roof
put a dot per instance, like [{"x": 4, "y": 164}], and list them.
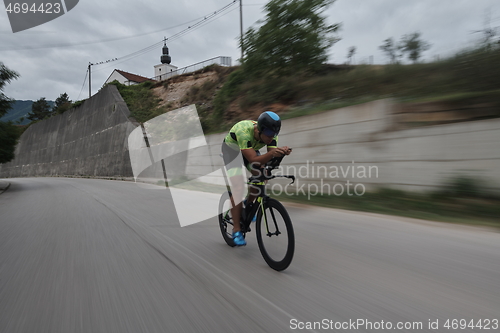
[{"x": 133, "y": 77}]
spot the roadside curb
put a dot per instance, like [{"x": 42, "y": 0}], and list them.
[{"x": 4, "y": 186}]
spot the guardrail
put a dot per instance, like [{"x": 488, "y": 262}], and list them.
[{"x": 220, "y": 60}]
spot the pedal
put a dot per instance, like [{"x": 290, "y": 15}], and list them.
[{"x": 246, "y": 229}]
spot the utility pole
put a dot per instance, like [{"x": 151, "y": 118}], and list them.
[
  {"x": 90, "y": 79},
  {"x": 241, "y": 29}
]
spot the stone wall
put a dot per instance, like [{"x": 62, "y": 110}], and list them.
[
  {"x": 90, "y": 140},
  {"x": 362, "y": 144}
]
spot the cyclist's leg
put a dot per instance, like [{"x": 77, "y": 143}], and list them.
[
  {"x": 237, "y": 189},
  {"x": 237, "y": 182},
  {"x": 256, "y": 170},
  {"x": 253, "y": 190}
]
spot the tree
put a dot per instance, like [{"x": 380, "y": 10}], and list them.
[
  {"x": 6, "y": 75},
  {"x": 350, "y": 53},
  {"x": 8, "y": 132},
  {"x": 8, "y": 139},
  {"x": 39, "y": 110},
  {"x": 62, "y": 104},
  {"x": 391, "y": 49},
  {"x": 294, "y": 37},
  {"x": 413, "y": 46},
  {"x": 490, "y": 35}
]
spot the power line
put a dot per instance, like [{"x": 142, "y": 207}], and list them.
[
  {"x": 207, "y": 19},
  {"x": 128, "y": 56},
  {"x": 202, "y": 22},
  {"x": 96, "y": 41}
]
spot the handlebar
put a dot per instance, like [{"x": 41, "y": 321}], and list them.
[
  {"x": 262, "y": 178},
  {"x": 274, "y": 163}
]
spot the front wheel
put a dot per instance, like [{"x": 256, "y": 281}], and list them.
[{"x": 275, "y": 235}]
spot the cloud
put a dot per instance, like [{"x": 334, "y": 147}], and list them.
[{"x": 96, "y": 31}]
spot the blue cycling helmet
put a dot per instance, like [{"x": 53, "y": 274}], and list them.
[{"x": 269, "y": 123}]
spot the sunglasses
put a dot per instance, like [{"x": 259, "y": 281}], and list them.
[{"x": 269, "y": 132}]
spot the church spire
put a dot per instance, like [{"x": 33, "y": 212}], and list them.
[{"x": 165, "y": 58}]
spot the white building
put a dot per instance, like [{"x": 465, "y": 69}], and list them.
[
  {"x": 164, "y": 70},
  {"x": 125, "y": 78}
]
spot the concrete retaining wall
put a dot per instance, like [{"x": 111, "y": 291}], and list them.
[
  {"x": 90, "y": 140},
  {"x": 357, "y": 147},
  {"x": 359, "y": 144}
]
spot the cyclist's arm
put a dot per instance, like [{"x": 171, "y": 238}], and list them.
[
  {"x": 285, "y": 150},
  {"x": 252, "y": 156}
]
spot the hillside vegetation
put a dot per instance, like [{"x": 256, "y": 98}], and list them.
[{"x": 470, "y": 77}]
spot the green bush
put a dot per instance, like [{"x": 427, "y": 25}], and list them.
[
  {"x": 148, "y": 84},
  {"x": 227, "y": 94},
  {"x": 465, "y": 187},
  {"x": 77, "y": 104},
  {"x": 143, "y": 105}
]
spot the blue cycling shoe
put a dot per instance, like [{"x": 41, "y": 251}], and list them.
[{"x": 238, "y": 239}]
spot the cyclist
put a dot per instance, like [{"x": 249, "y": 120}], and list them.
[{"x": 247, "y": 137}]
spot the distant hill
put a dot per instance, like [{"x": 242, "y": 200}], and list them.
[{"x": 20, "y": 109}]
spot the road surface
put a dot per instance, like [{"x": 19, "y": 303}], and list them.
[{"x": 80, "y": 255}]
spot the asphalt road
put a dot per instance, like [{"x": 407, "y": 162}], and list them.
[{"x": 79, "y": 255}]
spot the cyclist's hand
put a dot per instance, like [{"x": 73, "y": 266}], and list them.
[
  {"x": 281, "y": 151},
  {"x": 287, "y": 150},
  {"x": 278, "y": 152}
]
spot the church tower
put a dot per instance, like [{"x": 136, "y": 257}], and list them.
[{"x": 165, "y": 70}]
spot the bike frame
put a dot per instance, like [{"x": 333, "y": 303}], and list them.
[
  {"x": 261, "y": 200},
  {"x": 262, "y": 203}
]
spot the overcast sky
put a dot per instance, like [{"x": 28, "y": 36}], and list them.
[{"x": 53, "y": 58}]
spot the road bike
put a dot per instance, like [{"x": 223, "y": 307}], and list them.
[{"x": 273, "y": 225}]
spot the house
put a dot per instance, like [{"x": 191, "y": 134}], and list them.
[{"x": 126, "y": 78}]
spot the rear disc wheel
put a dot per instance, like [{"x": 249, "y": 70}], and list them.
[{"x": 226, "y": 219}]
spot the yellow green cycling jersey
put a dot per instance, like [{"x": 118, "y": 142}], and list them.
[{"x": 241, "y": 135}]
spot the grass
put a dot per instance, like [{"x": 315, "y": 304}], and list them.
[
  {"x": 413, "y": 205},
  {"x": 143, "y": 105},
  {"x": 463, "y": 200}
]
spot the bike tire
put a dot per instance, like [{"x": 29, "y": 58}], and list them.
[
  {"x": 278, "y": 256},
  {"x": 224, "y": 222}
]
